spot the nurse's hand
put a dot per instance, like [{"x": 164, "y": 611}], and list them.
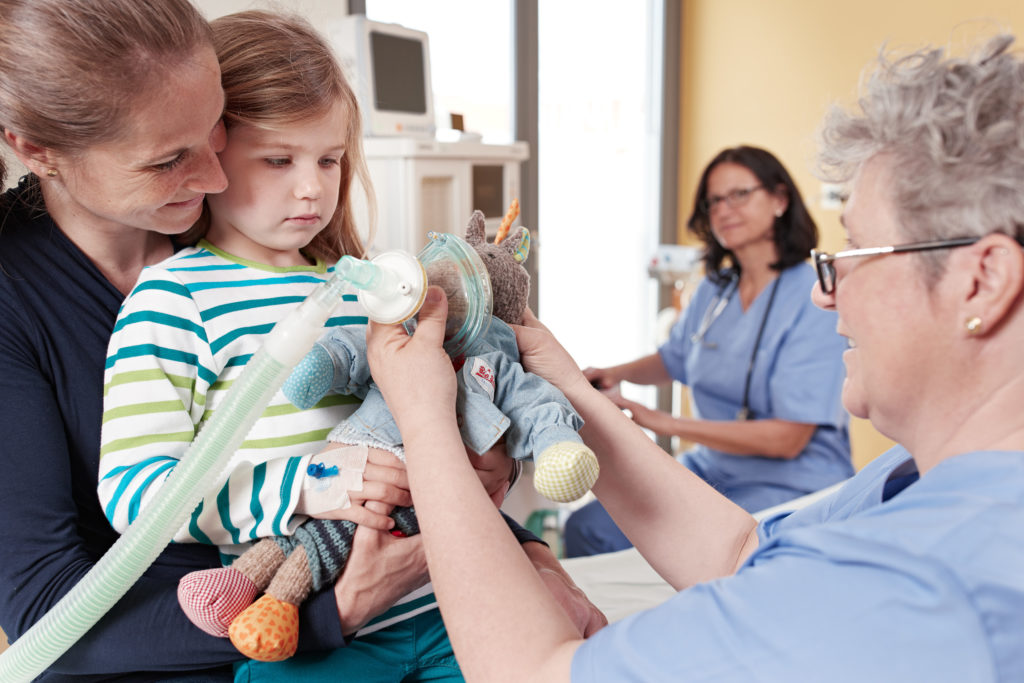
[
  {"x": 657, "y": 421},
  {"x": 414, "y": 373},
  {"x": 587, "y": 618},
  {"x": 602, "y": 378},
  {"x": 542, "y": 355}
]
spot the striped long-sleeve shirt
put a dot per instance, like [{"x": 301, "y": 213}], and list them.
[{"x": 182, "y": 337}]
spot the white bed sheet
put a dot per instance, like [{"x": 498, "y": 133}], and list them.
[{"x": 622, "y": 583}]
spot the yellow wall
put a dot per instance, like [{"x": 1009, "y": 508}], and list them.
[{"x": 764, "y": 73}]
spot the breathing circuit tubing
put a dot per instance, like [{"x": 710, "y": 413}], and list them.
[{"x": 204, "y": 461}]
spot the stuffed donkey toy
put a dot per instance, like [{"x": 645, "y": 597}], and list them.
[{"x": 497, "y": 399}]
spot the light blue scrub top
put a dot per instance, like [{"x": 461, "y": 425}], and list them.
[
  {"x": 798, "y": 376},
  {"x": 893, "y": 578}
]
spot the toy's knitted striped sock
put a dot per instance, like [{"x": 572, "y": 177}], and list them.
[{"x": 268, "y": 630}]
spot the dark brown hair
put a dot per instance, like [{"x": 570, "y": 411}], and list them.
[{"x": 795, "y": 232}]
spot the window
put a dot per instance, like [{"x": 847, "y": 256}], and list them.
[
  {"x": 471, "y": 58},
  {"x": 599, "y": 129}
]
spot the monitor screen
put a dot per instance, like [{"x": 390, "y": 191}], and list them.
[{"x": 398, "y": 73}]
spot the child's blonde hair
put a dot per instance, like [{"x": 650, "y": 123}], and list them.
[{"x": 277, "y": 70}]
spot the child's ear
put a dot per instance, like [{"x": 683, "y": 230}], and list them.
[
  {"x": 475, "y": 229},
  {"x": 35, "y": 158}
]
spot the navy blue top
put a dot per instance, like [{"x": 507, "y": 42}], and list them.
[{"x": 56, "y": 315}]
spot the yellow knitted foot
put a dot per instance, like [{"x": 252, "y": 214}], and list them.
[
  {"x": 565, "y": 471},
  {"x": 268, "y": 630}
]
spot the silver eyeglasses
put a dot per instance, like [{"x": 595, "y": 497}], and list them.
[
  {"x": 824, "y": 262},
  {"x": 732, "y": 199}
]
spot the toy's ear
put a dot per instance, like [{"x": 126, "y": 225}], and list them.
[
  {"x": 475, "y": 232},
  {"x": 518, "y": 244}
]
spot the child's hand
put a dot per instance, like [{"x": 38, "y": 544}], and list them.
[
  {"x": 413, "y": 372},
  {"x": 384, "y": 480}
]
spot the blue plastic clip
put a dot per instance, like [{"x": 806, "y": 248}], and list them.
[{"x": 319, "y": 470}]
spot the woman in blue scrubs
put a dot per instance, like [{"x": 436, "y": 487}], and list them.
[
  {"x": 762, "y": 363},
  {"x": 913, "y": 570}
]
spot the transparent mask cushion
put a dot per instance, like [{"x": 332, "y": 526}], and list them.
[{"x": 452, "y": 264}]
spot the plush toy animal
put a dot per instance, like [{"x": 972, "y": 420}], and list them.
[{"x": 497, "y": 398}]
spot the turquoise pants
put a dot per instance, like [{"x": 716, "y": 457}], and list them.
[{"x": 416, "y": 649}]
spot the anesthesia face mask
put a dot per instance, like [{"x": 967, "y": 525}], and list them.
[{"x": 392, "y": 286}]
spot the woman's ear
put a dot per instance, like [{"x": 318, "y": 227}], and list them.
[
  {"x": 996, "y": 282},
  {"x": 35, "y": 158},
  {"x": 781, "y": 199}
]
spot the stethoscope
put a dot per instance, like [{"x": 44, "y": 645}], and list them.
[{"x": 712, "y": 313}]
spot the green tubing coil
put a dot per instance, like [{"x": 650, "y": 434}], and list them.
[{"x": 122, "y": 565}]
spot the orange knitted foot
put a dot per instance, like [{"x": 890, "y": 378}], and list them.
[{"x": 268, "y": 630}]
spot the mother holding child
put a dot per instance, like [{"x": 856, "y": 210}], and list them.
[{"x": 115, "y": 107}]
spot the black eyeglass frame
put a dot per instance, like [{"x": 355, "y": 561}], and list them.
[
  {"x": 823, "y": 261},
  {"x": 732, "y": 199}
]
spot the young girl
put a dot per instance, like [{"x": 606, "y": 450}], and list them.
[{"x": 192, "y": 322}]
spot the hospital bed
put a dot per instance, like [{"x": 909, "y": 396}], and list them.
[{"x": 622, "y": 582}]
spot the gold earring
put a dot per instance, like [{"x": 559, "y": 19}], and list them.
[
  {"x": 973, "y": 325},
  {"x": 51, "y": 172}
]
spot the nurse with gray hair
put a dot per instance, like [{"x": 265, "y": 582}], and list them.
[{"x": 914, "y": 569}]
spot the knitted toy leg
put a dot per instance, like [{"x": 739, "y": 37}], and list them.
[
  {"x": 212, "y": 598},
  {"x": 565, "y": 471},
  {"x": 268, "y": 630},
  {"x": 405, "y": 521}
]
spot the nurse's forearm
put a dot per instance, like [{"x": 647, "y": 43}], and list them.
[
  {"x": 767, "y": 438},
  {"x": 480, "y": 574},
  {"x": 687, "y": 531},
  {"x": 649, "y": 370}
]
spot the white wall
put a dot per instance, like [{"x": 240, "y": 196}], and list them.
[{"x": 319, "y": 12}]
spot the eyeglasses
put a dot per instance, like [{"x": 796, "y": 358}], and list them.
[
  {"x": 824, "y": 262},
  {"x": 732, "y": 199}
]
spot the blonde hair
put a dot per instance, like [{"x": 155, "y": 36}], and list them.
[
  {"x": 277, "y": 70},
  {"x": 71, "y": 70}
]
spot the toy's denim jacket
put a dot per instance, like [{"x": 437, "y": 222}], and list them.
[{"x": 496, "y": 396}]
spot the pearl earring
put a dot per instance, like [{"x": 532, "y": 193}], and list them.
[
  {"x": 973, "y": 325},
  {"x": 778, "y": 213}
]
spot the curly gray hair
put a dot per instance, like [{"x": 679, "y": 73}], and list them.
[{"x": 952, "y": 132}]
